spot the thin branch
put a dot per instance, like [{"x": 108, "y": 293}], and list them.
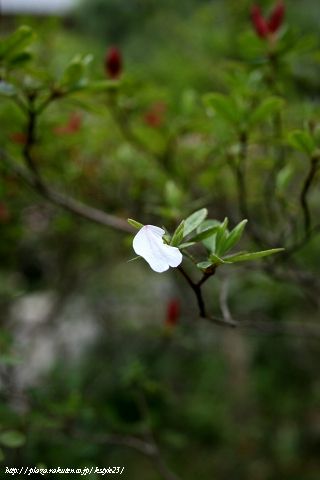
[
  {"x": 68, "y": 203},
  {"x": 196, "y": 287}
]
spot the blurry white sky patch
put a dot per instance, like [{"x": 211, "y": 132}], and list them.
[{"x": 47, "y": 7}]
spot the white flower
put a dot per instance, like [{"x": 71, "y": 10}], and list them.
[{"x": 148, "y": 244}]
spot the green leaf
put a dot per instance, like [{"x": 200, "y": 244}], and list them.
[
  {"x": 12, "y": 439},
  {"x": 185, "y": 245},
  {"x": 134, "y": 223},
  {"x": 216, "y": 260},
  {"x": 302, "y": 140},
  {"x": 178, "y": 235},
  {"x": 205, "y": 233},
  {"x": 266, "y": 108},
  {"x": 1, "y": 455},
  {"x": 20, "y": 59},
  {"x": 74, "y": 75},
  {"x": 210, "y": 242},
  {"x": 16, "y": 42},
  {"x": 284, "y": 177},
  {"x": 221, "y": 237},
  {"x": 234, "y": 236},
  {"x": 224, "y": 106},
  {"x": 245, "y": 256},
  {"x": 204, "y": 265},
  {"x": 194, "y": 220}
]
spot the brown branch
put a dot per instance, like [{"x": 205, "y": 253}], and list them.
[
  {"x": 308, "y": 330},
  {"x": 68, "y": 203},
  {"x": 196, "y": 288}
]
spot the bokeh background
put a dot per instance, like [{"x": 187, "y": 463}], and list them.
[{"x": 95, "y": 368}]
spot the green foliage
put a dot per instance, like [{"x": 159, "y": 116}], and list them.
[{"x": 230, "y": 123}]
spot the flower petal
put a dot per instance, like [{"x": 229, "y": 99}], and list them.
[{"x": 149, "y": 245}]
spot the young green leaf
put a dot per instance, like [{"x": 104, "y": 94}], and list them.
[
  {"x": 185, "y": 245},
  {"x": 134, "y": 223},
  {"x": 215, "y": 260},
  {"x": 221, "y": 237},
  {"x": 178, "y": 235},
  {"x": 303, "y": 141},
  {"x": 74, "y": 76},
  {"x": 210, "y": 242},
  {"x": 266, "y": 108},
  {"x": 16, "y": 43},
  {"x": 205, "y": 233},
  {"x": 245, "y": 256},
  {"x": 224, "y": 106},
  {"x": 204, "y": 265},
  {"x": 234, "y": 236},
  {"x": 194, "y": 220}
]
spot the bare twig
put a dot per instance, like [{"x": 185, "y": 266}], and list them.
[{"x": 196, "y": 287}]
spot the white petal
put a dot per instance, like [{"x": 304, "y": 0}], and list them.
[{"x": 149, "y": 245}]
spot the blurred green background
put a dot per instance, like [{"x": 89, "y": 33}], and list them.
[{"x": 88, "y": 364}]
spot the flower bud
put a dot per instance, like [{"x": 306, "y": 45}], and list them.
[
  {"x": 73, "y": 125},
  {"x": 113, "y": 63},
  {"x": 173, "y": 313},
  {"x": 154, "y": 117},
  {"x": 276, "y": 17},
  {"x": 259, "y": 23}
]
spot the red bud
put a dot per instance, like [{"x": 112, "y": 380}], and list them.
[
  {"x": 154, "y": 117},
  {"x": 113, "y": 62},
  {"x": 173, "y": 312},
  {"x": 276, "y": 17},
  {"x": 259, "y": 23},
  {"x": 73, "y": 125}
]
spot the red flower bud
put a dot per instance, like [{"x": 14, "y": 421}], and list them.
[
  {"x": 259, "y": 23},
  {"x": 154, "y": 117},
  {"x": 276, "y": 17},
  {"x": 173, "y": 312},
  {"x": 113, "y": 62},
  {"x": 73, "y": 125}
]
